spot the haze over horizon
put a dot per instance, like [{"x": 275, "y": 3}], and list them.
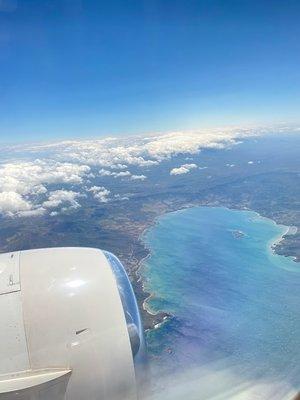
[{"x": 73, "y": 69}]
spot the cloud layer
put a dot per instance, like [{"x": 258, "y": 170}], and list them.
[{"x": 55, "y": 176}]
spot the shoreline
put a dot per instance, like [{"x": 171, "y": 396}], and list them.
[{"x": 152, "y": 319}]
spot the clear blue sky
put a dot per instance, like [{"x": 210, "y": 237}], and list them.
[{"x": 71, "y": 68}]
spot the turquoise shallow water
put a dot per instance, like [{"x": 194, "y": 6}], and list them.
[{"x": 235, "y": 305}]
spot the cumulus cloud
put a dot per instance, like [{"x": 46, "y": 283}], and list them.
[
  {"x": 121, "y": 198},
  {"x": 35, "y": 212},
  {"x": 24, "y": 184},
  {"x": 21, "y": 183},
  {"x": 138, "y": 177},
  {"x": 100, "y": 193},
  {"x": 28, "y": 177},
  {"x": 105, "y": 172},
  {"x": 142, "y": 151},
  {"x": 118, "y": 166},
  {"x": 121, "y": 174},
  {"x": 183, "y": 169},
  {"x": 66, "y": 198},
  {"x": 12, "y": 202}
]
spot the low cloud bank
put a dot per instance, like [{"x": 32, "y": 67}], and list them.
[{"x": 26, "y": 186}]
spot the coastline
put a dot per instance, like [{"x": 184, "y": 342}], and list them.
[
  {"x": 153, "y": 320},
  {"x": 278, "y": 239}
]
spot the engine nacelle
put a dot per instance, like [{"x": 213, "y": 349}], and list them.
[{"x": 70, "y": 326}]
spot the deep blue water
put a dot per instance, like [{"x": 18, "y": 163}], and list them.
[{"x": 235, "y": 330}]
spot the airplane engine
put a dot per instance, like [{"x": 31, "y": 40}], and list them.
[{"x": 70, "y": 327}]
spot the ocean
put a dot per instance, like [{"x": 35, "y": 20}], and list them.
[{"x": 234, "y": 329}]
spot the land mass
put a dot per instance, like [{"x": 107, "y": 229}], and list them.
[{"x": 118, "y": 226}]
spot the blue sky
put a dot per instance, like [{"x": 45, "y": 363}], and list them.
[{"x": 74, "y": 68}]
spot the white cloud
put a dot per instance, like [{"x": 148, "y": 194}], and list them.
[
  {"x": 121, "y": 174},
  {"x": 58, "y": 198},
  {"x": 32, "y": 213},
  {"x": 29, "y": 177},
  {"x": 118, "y": 166},
  {"x": 119, "y": 197},
  {"x": 100, "y": 193},
  {"x": 24, "y": 184},
  {"x": 104, "y": 172},
  {"x": 12, "y": 202},
  {"x": 142, "y": 151},
  {"x": 138, "y": 177},
  {"x": 183, "y": 169}
]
